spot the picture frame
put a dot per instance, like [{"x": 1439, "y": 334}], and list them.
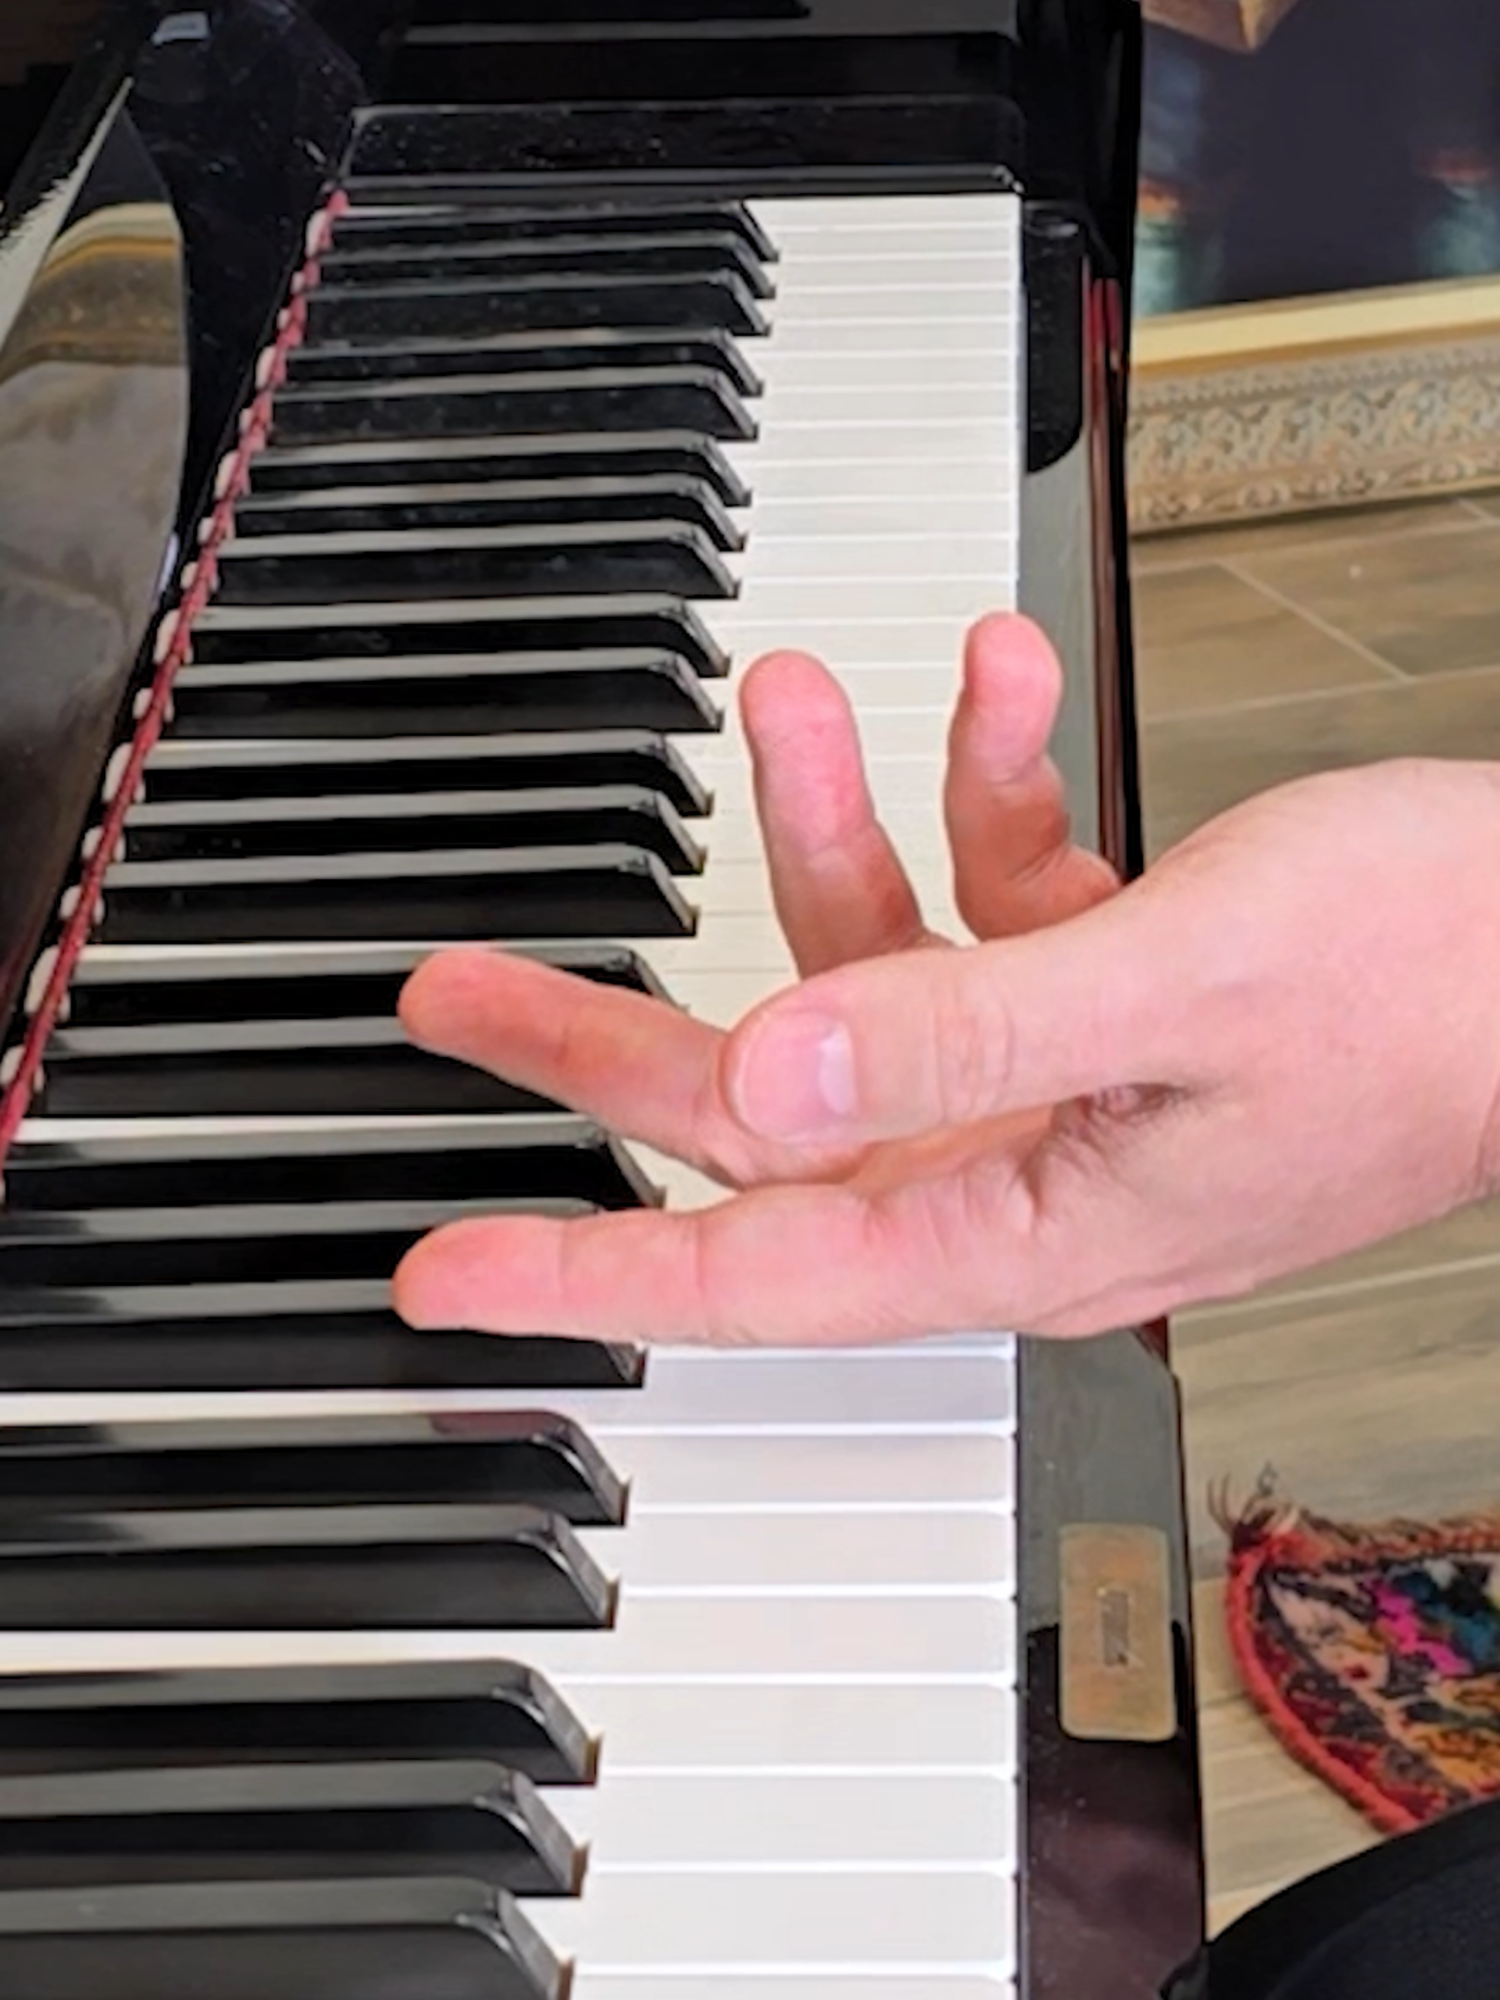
[
  {"x": 1313, "y": 403},
  {"x": 1318, "y": 271}
]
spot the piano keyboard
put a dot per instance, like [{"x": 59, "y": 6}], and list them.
[
  {"x": 428, "y": 1666},
  {"x": 796, "y": 1647}
]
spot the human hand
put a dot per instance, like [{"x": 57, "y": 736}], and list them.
[{"x": 1279, "y": 1045}]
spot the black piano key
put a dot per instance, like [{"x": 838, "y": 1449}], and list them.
[
  {"x": 494, "y": 504},
  {"x": 490, "y": 1160},
  {"x": 526, "y": 353},
  {"x": 227, "y": 635},
  {"x": 302, "y": 986},
  {"x": 497, "y": 1710},
  {"x": 181, "y": 772},
  {"x": 476, "y": 1455},
  {"x": 640, "y": 253},
  {"x": 429, "y": 309},
  {"x": 101, "y": 1250},
  {"x": 477, "y": 405},
  {"x": 315, "y": 1569},
  {"x": 230, "y": 1338},
  {"x": 274, "y": 1823},
  {"x": 319, "y": 565},
  {"x": 625, "y": 458},
  {"x": 491, "y": 222},
  {"x": 276, "y": 1037},
  {"x": 461, "y": 895},
  {"x": 388, "y": 1940},
  {"x": 267, "y": 1067},
  {"x": 442, "y": 695},
  {"x": 417, "y": 822}
]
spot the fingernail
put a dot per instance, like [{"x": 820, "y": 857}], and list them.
[{"x": 796, "y": 1077}]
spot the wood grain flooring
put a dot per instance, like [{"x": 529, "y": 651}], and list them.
[{"x": 1370, "y": 1387}]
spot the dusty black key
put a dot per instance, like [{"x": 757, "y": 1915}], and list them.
[
  {"x": 492, "y": 222},
  {"x": 641, "y": 253},
  {"x": 103, "y": 1250},
  {"x": 526, "y": 353},
  {"x": 506, "y": 627},
  {"x": 494, "y": 1160},
  {"x": 453, "y": 310},
  {"x": 228, "y": 1338},
  {"x": 285, "y": 1039},
  {"x": 390, "y": 1940},
  {"x": 440, "y": 695},
  {"x": 315, "y": 1569},
  {"x": 370, "y": 565},
  {"x": 459, "y": 895},
  {"x": 494, "y": 1457},
  {"x": 418, "y": 822},
  {"x": 495, "y": 1709},
  {"x": 493, "y": 504},
  {"x": 356, "y": 1068},
  {"x": 478, "y": 405},
  {"x": 343, "y": 1822},
  {"x": 302, "y": 986},
  {"x": 181, "y": 772},
  {"x": 627, "y": 458}
]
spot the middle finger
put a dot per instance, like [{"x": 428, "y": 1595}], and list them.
[{"x": 840, "y": 890}]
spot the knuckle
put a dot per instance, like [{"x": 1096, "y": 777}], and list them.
[{"x": 972, "y": 1049}]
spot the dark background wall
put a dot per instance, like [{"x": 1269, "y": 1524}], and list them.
[{"x": 1360, "y": 147}]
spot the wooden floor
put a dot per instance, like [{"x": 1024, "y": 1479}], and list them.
[{"x": 1373, "y": 1387}]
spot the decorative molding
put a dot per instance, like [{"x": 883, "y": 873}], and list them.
[{"x": 1315, "y": 404}]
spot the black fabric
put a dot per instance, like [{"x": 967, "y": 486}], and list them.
[{"x": 1416, "y": 1919}]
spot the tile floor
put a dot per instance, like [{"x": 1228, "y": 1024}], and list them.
[{"x": 1373, "y": 1387}]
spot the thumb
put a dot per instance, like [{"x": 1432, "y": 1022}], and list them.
[{"x": 907, "y": 1044}]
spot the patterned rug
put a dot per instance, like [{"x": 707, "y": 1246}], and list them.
[{"x": 1373, "y": 1653}]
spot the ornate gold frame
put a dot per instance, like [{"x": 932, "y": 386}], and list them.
[{"x": 1314, "y": 403}]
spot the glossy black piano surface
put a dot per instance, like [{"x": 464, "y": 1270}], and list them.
[{"x": 448, "y": 686}]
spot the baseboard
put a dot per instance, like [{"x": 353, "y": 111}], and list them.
[{"x": 1315, "y": 403}]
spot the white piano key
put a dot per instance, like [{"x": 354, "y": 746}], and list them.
[
  {"x": 851, "y": 638},
  {"x": 795, "y": 1642},
  {"x": 809, "y": 1393},
  {"x": 716, "y": 1636},
  {"x": 869, "y": 364},
  {"x": 789, "y": 410},
  {"x": 888, "y": 439},
  {"x": 868, "y": 1476},
  {"x": 842, "y": 1554},
  {"x": 786, "y": 1728},
  {"x": 858, "y": 1922},
  {"x": 882, "y": 517},
  {"x": 875, "y": 1821},
  {"x": 784, "y": 217},
  {"x": 870, "y": 288},
  {"x": 934, "y": 1984},
  {"x": 776, "y": 477},
  {"x": 859, "y": 561},
  {"x": 972, "y": 240}
]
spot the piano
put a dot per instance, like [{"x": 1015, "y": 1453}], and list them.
[{"x": 412, "y": 417}]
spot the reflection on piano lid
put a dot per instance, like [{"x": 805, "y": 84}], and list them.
[{"x": 458, "y": 394}]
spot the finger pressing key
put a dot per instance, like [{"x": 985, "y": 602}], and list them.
[
  {"x": 840, "y": 890},
  {"x": 637, "y": 1066},
  {"x": 1016, "y": 867}
]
